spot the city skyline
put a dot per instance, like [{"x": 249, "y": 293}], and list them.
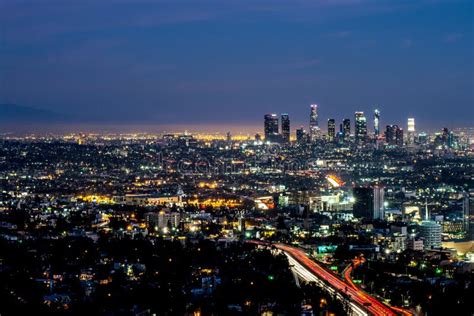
[
  {"x": 237, "y": 157},
  {"x": 57, "y": 125}
]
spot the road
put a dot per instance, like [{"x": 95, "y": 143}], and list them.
[
  {"x": 348, "y": 278},
  {"x": 360, "y": 302}
]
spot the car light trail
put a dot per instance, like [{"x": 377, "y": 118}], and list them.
[{"x": 311, "y": 271}]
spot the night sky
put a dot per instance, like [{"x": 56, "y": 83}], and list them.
[{"x": 217, "y": 63}]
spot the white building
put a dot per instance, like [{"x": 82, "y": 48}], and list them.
[{"x": 431, "y": 233}]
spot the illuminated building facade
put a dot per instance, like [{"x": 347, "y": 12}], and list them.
[
  {"x": 346, "y": 128},
  {"x": 394, "y": 135},
  {"x": 285, "y": 127},
  {"x": 301, "y": 135},
  {"x": 430, "y": 232},
  {"x": 360, "y": 127},
  {"x": 331, "y": 130},
  {"x": 314, "y": 130},
  {"x": 376, "y": 123},
  {"x": 411, "y": 131},
  {"x": 271, "y": 127}
]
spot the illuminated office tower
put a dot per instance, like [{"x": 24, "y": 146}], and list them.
[
  {"x": 394, "y": 135},
  {"x": 411, "y": 131},
  {"x": 301, "y": 135},
  {"x": 346, "y": 128},
  {"x": 285, "y": 127},
  {"x": 360, "y": 127},
  {"x": 314, "y": 130},
  {"x": 376, "y": 123},
  {"x": 271, "y": 127},
  {"x": 331, "y": 130},
  {"x": 399, "y": 137}
]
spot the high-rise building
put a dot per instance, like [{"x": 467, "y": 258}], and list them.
[
  {"x": 378, "y": 207},
  {"x": 369, "y": 202},
  {"x": 376, "y": 123},
  {"x": 399, "y": 137},
  {"x": 301, "y": 136},
  {"x": 285, "y": 127},
  {"x": 360, "y": 127},
  {"x": 431, "y": 233},
  {"x": 394, "y": 135},
  {"x": 314, "y": 130},
  {"x": 468, "y": 214},
  {"x": 331, "y": 130},
  {"x": 346, "y": 128},
  {"x": 445, "y": 135},
  {"x": 271, "y": 127},
  {"x": 452, "y": 140},
  {"x": 411, "y": 131}
]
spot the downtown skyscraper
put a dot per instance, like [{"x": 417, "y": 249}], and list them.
[
  {"x": 411, "y": 131},
  {"x": 271, "y": 127},
  {"x": 394, "y": 135},
  {"x": 346, "y": 128},
  {"x": 331, "y": 130},
  {"x": 360, "y": 127},
  {"x": 314, "y": 131},
  {"x": 376, "y": 123},
  {"x": 285, "y": 127}
]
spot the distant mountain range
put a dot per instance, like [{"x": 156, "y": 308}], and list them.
[{"x": 12, "y": 113}]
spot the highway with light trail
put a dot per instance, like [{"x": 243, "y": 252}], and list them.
[
  {"x": 348, "y": 278},
  {"x": 360, "y": 302}
]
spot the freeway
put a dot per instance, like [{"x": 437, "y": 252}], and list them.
[
  {"x": 347, "y": 276},
  {"x": 360, "y": 302}
]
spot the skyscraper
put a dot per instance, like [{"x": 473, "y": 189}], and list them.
[
  {"x": 313, "y": 123},
  {"x": 466, "y": 210},
  {"x": 369, "y": 202},
  {"x": 301, "y": 135},
  {"x": 271, "y": 127},
  {"x": 331, "y": 130},
  {"x": 285, "y": 127},
  {"x": 411, "y": 131},
  {"x": 346, "y": 128},
  {"x": 468, "y": 214},
  {"x": 394, "y": 135},
  {"x": 399, "y": 137},
  {"x": 376, "y": 123},
  {"x": 360, "y": 127},
  {"x": 378, "y": 205}
]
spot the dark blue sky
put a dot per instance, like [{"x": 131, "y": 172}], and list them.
[{"x": 231, "y": 61}]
